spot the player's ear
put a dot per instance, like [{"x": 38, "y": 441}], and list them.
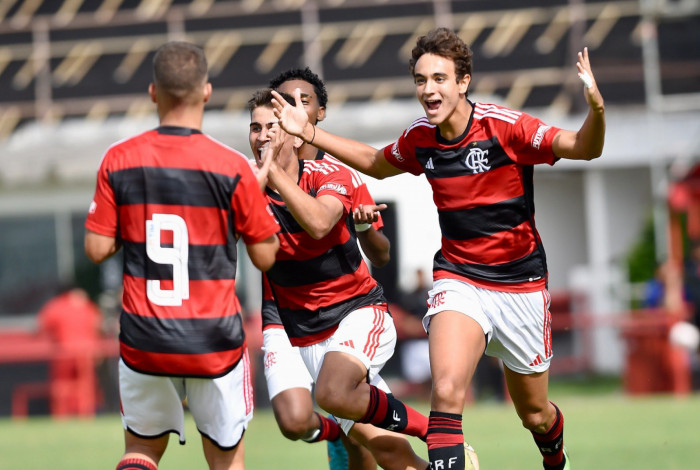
[
  {"x": 207, "y": 92},
  {"x": 298, "y": 142},
  {"x": 463, "y": 84},
  {"x": 321, "y": 114},
  {"x": 152, "y": 92}
]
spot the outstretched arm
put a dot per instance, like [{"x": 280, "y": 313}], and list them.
[
  {"x": 587, "y": 143},
  {"x": 362, "y": 157}
]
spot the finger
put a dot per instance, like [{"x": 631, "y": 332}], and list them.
[
  {"x": 380, "y": 207},
  {"x": 297, "y": 97}
]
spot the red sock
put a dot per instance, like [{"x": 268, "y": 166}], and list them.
[
  {"x": 136, "y": 464},
  {"x": 330, "y": 429},
  {"x": 551, "y": 443},
  {"x": 387, "y": 412}
]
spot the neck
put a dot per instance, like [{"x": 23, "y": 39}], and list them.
[
  {"x": 457, "y": 122},
  {"x": 182, "y": 116}
]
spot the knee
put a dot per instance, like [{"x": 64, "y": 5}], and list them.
[
  {"x": 448, "y": 395},
  {"x": 331, "y": 399},
  {"x": 538, "y": 421},
  {"x": 294, "y": 424}
]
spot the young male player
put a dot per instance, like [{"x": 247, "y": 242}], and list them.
[
  {"x": 177, "y": 201},
  {"x": 490, "y": 275},
  {"x": 331, "y": 308},
  {"x": 289, "y": 384}
]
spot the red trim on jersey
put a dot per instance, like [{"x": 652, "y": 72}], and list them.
[
  {"x": 533, "y": 286},
  {"x": 190, "y": 365},
  {"x": 314, "y": 338}
]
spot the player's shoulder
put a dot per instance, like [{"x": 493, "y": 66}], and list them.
[
  {"x": 419, "y": 126},
  {"x": 494, "y": 113},
  {"x": 356, "y": 178},
  {"x": 325, "y": 165}
]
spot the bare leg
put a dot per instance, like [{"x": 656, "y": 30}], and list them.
[
  {"x": 219, "y": 459},
  {"x": 359, "y": 457},
  {"x": 392, "y": 451},
  {"x": 294, "y": 413},
  {"x": 146, "y": 449}
]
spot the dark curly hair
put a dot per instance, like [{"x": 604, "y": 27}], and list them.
[
  {"x": 445, "y": 43},
  {"x": 303, "y": 74}
]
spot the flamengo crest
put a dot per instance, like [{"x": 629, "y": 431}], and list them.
[{"x": 477, "y": 161}]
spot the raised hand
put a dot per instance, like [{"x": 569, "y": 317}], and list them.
[
  {"x": 292, "y": 119},
  {"x": 590, "y": 87}
]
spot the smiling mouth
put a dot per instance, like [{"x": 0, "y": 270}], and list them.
[{"x": 432, "y": 105}]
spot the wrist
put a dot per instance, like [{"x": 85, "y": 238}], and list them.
[
  {"x": 310, "y": 141},
  {"x": 362, "y": 227}
]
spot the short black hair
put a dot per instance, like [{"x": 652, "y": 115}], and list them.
[
  {"x": 308, "y": 76},
  {"x": 179, "y": 69}
]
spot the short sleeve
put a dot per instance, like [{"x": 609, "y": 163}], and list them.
[
  {"x": 401, "y": 153},
  {"x": 102, "y": 215},
  {"x": 531, "y": 141},
  {"x": 336, "y": 183},
  {"x": 252, "y": 217}
]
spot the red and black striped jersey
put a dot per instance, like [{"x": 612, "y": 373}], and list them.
[
  {"x": 317, "y": 283},
  {"x": 177, "y": 201},
  {"x": 482, "y": 185}
]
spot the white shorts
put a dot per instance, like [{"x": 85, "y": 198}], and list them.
[
  {"x": 367, "y": 334},
  {"x": 222, "y": 407},
  {"x": 284, "y": 367},
  {"x": 518, "y": 326}
]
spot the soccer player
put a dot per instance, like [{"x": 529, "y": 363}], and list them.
[
  {"x": 177, "y": 201},
  {"x": 490, "y": 275},
  {"x": 330, "y": 306},
  {"x": 289, "y": 383}
]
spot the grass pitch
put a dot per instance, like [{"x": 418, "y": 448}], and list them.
[{"x": 603, "y": 432}]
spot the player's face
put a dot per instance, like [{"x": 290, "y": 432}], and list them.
[
  {"x": 308, "y": 98},
  {"x": 261, "y": 121},
  {"x": 437, "y": 88}
]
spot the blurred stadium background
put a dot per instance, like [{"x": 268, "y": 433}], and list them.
[{"x": 73, "y": 79}]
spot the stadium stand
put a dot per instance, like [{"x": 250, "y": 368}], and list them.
[{"x": 74, "y": 58}]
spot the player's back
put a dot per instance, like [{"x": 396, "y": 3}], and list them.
[{"x": 174, "y": 189}]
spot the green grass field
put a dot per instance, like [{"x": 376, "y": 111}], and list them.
[{"x": 603, "y": 431}]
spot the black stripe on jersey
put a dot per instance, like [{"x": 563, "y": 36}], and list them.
[
  {"x": 526, "y": 269},
  {"x": 173, "y": 186},
  {"x": 270, "y": 315},
  {"x": 288, "y": 224},
  {"x": 181, "y": 335},
  {"x": 483, "y": 220},
  {"x": 205, "y": 262},
  {"x": 301, "y": 323},
  {"x": 338, "y": 261},
  {"x": 472, "y": 159}
]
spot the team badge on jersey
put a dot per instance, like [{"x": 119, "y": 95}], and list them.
[{"x": 477, "y": 160}]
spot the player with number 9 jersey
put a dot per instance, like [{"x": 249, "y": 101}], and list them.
[{"x": 178, "y": 201}]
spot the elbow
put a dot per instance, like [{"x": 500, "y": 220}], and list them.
[
  {"x": 319, "y": 231},
  {"x": 381, "y": 260}
]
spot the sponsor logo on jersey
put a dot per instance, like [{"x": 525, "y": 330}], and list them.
[
  {"x": 539, "y": 135},
  {"x": 477, "y": 160},
  {"x": 429, "y": 165},
  {"x": 395, "y": 151},
  {"x": 93, "y": 207},
  {"x": 338, "y": 188}
]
